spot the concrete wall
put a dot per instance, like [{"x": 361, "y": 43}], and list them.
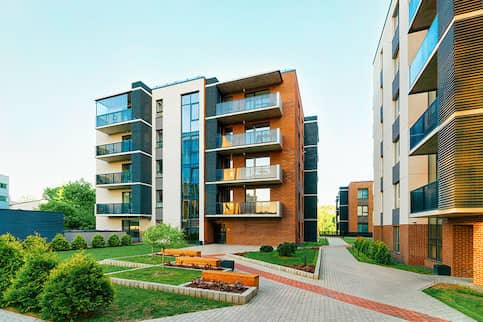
[{"x": 88, "y": 234}]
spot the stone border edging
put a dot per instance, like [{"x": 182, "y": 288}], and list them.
[
  {"x": 233, "y": 298},
  {"x": 293, "y": 271},
  {"x": 115, "y": 262}
]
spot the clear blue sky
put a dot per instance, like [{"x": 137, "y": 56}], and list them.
[{"x": 56, "y": 57}]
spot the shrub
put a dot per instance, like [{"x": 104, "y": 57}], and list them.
[
  {"x": 25, "y": 291},
  {"x": 78, "y": 242},
  {"x": 35, "y": 243},
  {"x": 126, "y": 240},
  {"x": 286, "y": 249},
  {"x": 382, "y": 254},
  {"x": 266, "y": 249},
  {"x": 59, "y": 243},
  {"x": 113, "y": 241},
  {"x": 98, "y": 241},
  {"x": 74, "y": 289},
  {"x": 11, "y": 259}
]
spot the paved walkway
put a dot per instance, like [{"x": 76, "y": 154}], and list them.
[{"x": 7, "y": 316}]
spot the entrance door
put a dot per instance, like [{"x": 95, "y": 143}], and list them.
[
  {"x": 131, "y": 227},
  {"x": 219, "y": 231}
]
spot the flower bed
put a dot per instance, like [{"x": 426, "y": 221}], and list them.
[
  {"x": 237, "y": 287},
  {"x": 203, "y": 267},
  {"x": 308, "y": 268}
]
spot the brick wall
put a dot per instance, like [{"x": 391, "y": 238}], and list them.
[
  {"x": 353, "y": 203},
  {"x": 463, "y": 251},
  {"x": 478, "y": 254},
  {"x": 417, "y": 244}
]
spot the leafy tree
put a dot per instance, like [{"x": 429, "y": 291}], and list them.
[
  {"x": 326, "y": 219},
  {"x": 76, "y": 200},
  {"x": 163, "y": 236}
]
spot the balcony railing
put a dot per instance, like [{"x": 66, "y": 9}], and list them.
[
  {"x": 260, "y": 208},
  {"x": 112, "y": 148},
  {"x": 113, "y": 118},
  {"x": 249, "y": 173},
  {"x": 425, "y": 124},
  {"x": 395, "y": 43},
  {"x": 413, "y": 8},
  {"x": 248, "y": 104},
  {"x": 425, "y": 198},
  {"x": 114, "y": 178},
  {"x": 114, "y": 208},
  {"x": 424, "y": 52},
  {"x": 249, "y": 138}
]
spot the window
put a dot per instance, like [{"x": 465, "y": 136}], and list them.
[
  {"x": 435, "y": 236},
  {"x": 362, "y": 228},
  {"x": 159, "y": 108},
  {"x": 258, "y": 194},
  {"x": 3, "y": 198},
  {"x": 257, "y": 162},
  {"x": 395, "y": 239},
  {"x": 159, "y": 168},
  {"x": 257, "y": 133},
  {"x": 159, "y": 198},
  {"x": 397, "y": 194},
  {"x": 396, "y": 151},
  {"x": 362, "y": 211},
  {"x": 3, "y": 185},
  {"x": 159, "y": 139},
  {"x": 362, "y": 193}
]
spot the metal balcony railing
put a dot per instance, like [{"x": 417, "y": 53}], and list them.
[
  {"x": 269, "y": 208},
  {"x": 249, "y": 138},
  {"x": 112, "y": 148},
  {"x": 248, "y": 104},
  {"x": 249, "y": 173},
  {"x": 114, "y": 117},
  {"x": 425, "y": 124},
  {"x": 425, "y": 198},
  {"x": 114, "y": 178},
  {"x": 114, "y": 208},
  {"x": 424, "y": 52}
]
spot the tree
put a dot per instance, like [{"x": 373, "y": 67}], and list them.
[
  {"x": 76, "y": 200},
  {"x": 163, "y": 236},
  {"x": 326, "y": 219}
]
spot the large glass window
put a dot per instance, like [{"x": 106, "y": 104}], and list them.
[
  {"x": 131, "y": 227},
  {"x": 257, "y": 162},
  {"x": 257, "y": 194},
  {"x": 159, "y": 108},
  {"x": 159, "y": 198},
  {"x": 3, "y": 185},
  {"x": 362, "y": 228},
  {"x": 159, "y": 139},
  {"x": 435, "y": 238},
  {"x": 190, "y": 114},
  {"x": 113, "y": 104},
  {"x": 395, "y": 239},
  {"x": 362, "y": 211},
  {"x": 159, "y": 168},
  {"x": 362, "y": 193},
  {"x": 256, "y": 133}
]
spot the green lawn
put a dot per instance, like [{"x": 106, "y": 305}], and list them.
[
  {"x": 411, "y": 268},
  {"x": 148, "y": 259},
  {"x": 463, "y": 299},
  {"x": 297, "y": 259},
  {"x": 135, "y": 304},
  {"x": 172, "y": 276},
  {"x": 112, "y": 268},
  {"x": 110, "y": 252},
  {"x": 322, "y": 242},
  {"x": 352, "y": 240}
]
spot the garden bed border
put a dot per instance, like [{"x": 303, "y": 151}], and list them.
[{"x": 233, "y": 298}]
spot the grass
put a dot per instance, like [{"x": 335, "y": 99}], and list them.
[
  {"x": 463, "y": 299},
  {"x": 148, "y": 259},
  {"x": 171, "y": 276},
  {"x": 322, "y": 242},
  {"x": 361, "y": 257},
  {"x": 297, "y": 259},
  {"x": 109, "y": 252},
  {"x": 352, "y": 240},
  {"x": 112, "y": 268}
]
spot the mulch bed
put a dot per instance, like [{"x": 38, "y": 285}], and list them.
[
  {"x": 308, "y": 268},
  {"x": 237, "y": 287},
  {"x": 205, "y": 267}
]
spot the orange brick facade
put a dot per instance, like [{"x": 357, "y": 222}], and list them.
[
  {"x": 354, "y": 202},
  {"x": 272, "y": 231}
]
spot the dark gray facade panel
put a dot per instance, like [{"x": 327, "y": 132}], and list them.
[
  {"x": 141, "y": 168},
  {"x": 310, "y": 207},
  {"x": 445, "y": 10},
  {"x": 311, "y": 133},
  {"x": 211, "y": 134},
  {"x": 395, "y": 173},
  {"x": 141, "y": 84},
  {"x": 344, "y": 197},
  {"x": 344, "y": 212},
  {"x": 22, "y": 223},
  {"x": 210, "y": 166},
  {"x": 395, "y": 130},
  {"x": 141, "y": 199},
  {"x": 310, "y": 158},
  {"x": 141, "y": 137},
  {"x": 210, "y": 197},
  {"x": 310, "y": 231},
  {"x": 310, "y": 182},
  {"x": 141, "y": 104},
  {"x": 395, "y": 216},
  {"x": 212, "y": 97}
]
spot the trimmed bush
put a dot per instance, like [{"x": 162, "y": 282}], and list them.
[
  {"x": 126, "y": 240},
  {"x": 59, "y": 243},
  {"x": 98, "y": 241},
  {"x": 78, "y": 242},
  {"x": 114, "y": 241},
  {"x": 382, "y": 253},
  {"x": 35, "y": 243},
  {"x": 27, "y": 287},
  {"x": 286, "y": 249},
  {"x": 76, "y": 289},
  {"x": 266, "y": 249},
  {"x": 11, "y": 259}
]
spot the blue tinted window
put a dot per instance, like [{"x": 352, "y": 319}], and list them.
[{"x": 113, "y": 104}]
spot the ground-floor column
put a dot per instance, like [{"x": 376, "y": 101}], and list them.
[{"x": 478, "y": 253}]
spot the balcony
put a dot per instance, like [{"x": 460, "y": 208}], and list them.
[
  {"x": 260, "y": 209},
  {"x": 113, "y": 208},
  {"x": 421, "y": 14},
  {"x": 249, "y": 176},
  {"x": 249, "y": 109},
  {"x": 423, "y": 138},
  {"x": 395, "y": 86},
  {"x": 113, "y": 152},
  {"x": 395, "y": 43},
  {"x": 423, "y": 69},
  {"x": 117, "y": 180},
  {"x": 115, "y": 122},
  {"x": 258, "y": 141},
  {"x": 425, "y": 198},
  {"x": 395, "y": 129}
]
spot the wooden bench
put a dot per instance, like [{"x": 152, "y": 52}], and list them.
[
  {"x": 201, "y": 261},
  {"x": 231, "y": 277},
  {"x": 181, "y": 252}
]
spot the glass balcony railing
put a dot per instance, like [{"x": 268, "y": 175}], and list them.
[
  {"x": 425, "y": 124},
  {"x": 425, "y": 198},
  {"x": 269, "y": 208},
  {"x": 114, "y": 178},
  {"x": 413, "y": 8},
  {"x": 114, "y": 117},
  {"x": 249, "y": 173},
  {"x": 112, "y": 148},
  {"x": 424, "y": 52},
  {"x": 248, "y": 138},
  {"x": 114, "y": 208},
  {"x": 248, "y": 104}
]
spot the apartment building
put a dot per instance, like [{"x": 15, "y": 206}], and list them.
[
  {"x": 223, "y": 161},
  {"x": 354, "y": 207},
  {"x": 4, "y": 195},
  {"x": 428, "y": 147}
]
